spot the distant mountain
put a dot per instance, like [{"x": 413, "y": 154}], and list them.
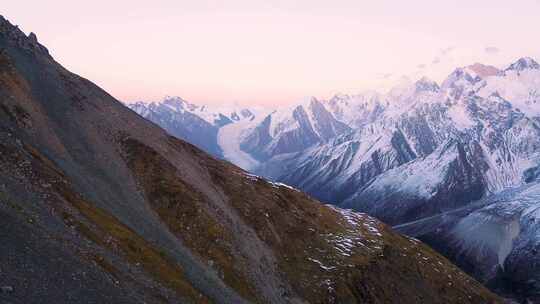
[
  {"x": 198, "y": 125},
  {"x": 292, "y": 130},
  {"x": 248, "y": 137},
  {"x": 483, "y": 70},
  {"x": 523, "y": 64},
  {"x": 466, "y": 133},
  {"x": 420, "y": 150},
  {"x": 99, "y": 205}
]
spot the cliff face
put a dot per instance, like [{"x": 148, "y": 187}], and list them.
[{"x": 99, "y": 205}]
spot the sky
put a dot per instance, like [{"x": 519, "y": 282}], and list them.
[{"x": 274, "y": 52}]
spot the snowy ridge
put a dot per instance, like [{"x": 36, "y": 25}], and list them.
[
  {"x": 217, "y": 115},
  {"x": 420, "y": 177}
]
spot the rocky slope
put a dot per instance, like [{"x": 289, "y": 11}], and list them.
[{"x": 99, "y": 205}]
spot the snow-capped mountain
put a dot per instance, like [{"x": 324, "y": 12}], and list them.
[
  {"x": 292, "y": 129},
  {"x": 247, "y": 137},
  {"x": 452, "y": 144},
  {"x": 193, "y": 123},
  {"x": 216, "y": 116},
  {"x": 483, "y": 123}
]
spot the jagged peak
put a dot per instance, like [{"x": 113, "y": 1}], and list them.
[
  {"x": 10, "y": 30},
  {"x": 483, "y": 70},
  {"x": 525, "y": 63},
  {"x": 33, "y": 38},
  {"x": 177, "y": 103},
  {"x": 4, "y": 21},
  {"x": 461, "y": 76},
  {"x": 139, "y": 103},
  {"x": 172, "y": 98},
  {"x": 340, "y": 96},
  {"x": 314, "y": 101},
  {"x": 425, "y": 84},
  {"x": 16, "y": 37},
  {"x": 305, "y": 102}
]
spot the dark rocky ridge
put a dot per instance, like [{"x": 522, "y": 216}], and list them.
[{"x": 99, "y": 205}]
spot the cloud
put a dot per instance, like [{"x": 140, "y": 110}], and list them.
[
  {"x": 386, "y": 76},
  {"x": 492, "y": 50},
  {"x": 421, "y": 66},
  {"x": 447, "y": 50},
  {"x": 442, "y": 55}
]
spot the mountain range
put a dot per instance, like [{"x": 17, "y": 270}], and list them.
[
  {"x": 99, "y": 205},
  {"x": 461, "y": 153}
]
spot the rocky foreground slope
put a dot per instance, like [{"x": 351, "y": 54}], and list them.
[{"x": 98, "y": 205}]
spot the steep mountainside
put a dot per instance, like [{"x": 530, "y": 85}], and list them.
[
  {"x": 99, "y": 205},
  {"x": 497, "y": 239}
]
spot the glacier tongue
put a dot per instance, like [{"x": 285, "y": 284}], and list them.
[{"x": 229, "y": 139}]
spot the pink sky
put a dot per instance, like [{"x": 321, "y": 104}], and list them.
[{"x": 273, "y": 52}]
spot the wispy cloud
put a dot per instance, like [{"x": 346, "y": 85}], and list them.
[
  {"x": 443, "y": 53},
  {"x": 421, "y": 66},
  {"x": 447, "y": 50},
  {"x": 492, "y": 50}
]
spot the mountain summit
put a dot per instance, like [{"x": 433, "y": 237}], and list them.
[
  {"x": 426, "y": 84},
  {"x": 525, "y": 63},
  {"x": 483, "y": 70}
]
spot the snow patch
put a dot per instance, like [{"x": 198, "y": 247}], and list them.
[
  {"x": 278, "y": 185},
  {"x": 353, "y": 238},
  {"x": 459, "y": 115},
  {"x": 324, "y": 267}
]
